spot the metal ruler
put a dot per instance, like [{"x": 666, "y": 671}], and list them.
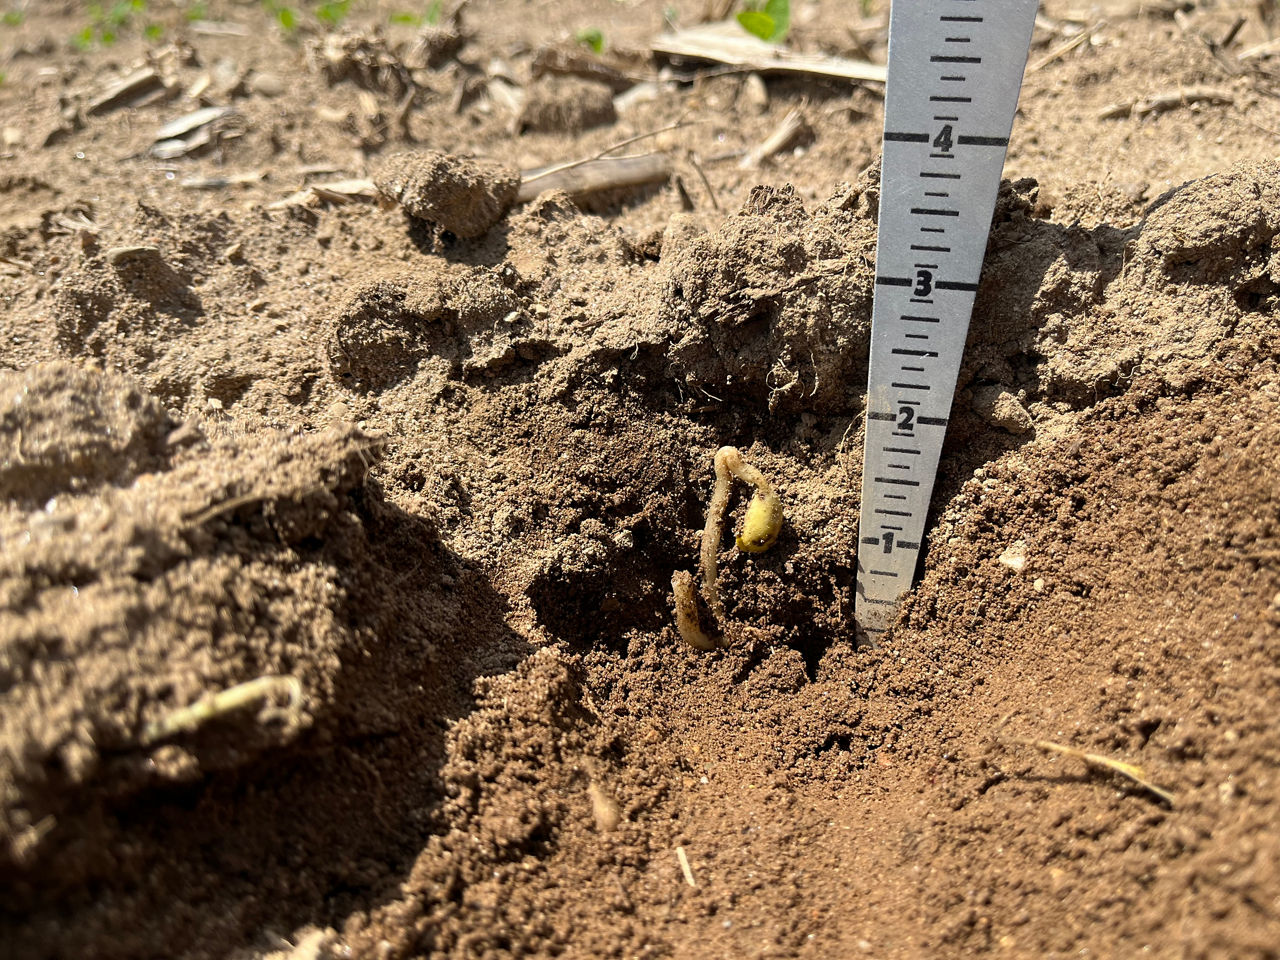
[{"x": 955, "y": 69}]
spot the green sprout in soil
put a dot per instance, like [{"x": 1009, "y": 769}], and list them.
[
  {"x": 760, "y": 529},
  {"x": 13, "y": 18},
  {"x": 285, "y": 16},
  {"x": 770, "y": 22},
  {"x": 332, "y": 14},
  {"x": 197, "y": 11},
  {"x": 591, "y": 37},
  {"x": 428, "y": 18},
  {"x": 106, "y": 23}
]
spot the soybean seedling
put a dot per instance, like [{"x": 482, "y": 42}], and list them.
[{"x": 760, "y": 529}]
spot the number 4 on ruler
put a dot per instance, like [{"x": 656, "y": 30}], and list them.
[{"x": 955, "y": 69}]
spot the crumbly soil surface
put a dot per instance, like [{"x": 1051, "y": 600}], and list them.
[{"x": 336, "y": 547}]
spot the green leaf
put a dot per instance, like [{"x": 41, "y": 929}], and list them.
[
  {"x": 120, "y": 14},
  {"x": 84, "y": 39},
  {"x": 434, "y": 11},
  {"x": 287, "y": 19},
  {"x": 591, "y": 37},
  {"x": 13, "y": 18},
  {"x": 757, "y": 23},
  {"x": 153, "y": 32},
  {"x": 780, "y": 11},
  {"x": 408, "y": 19},
  {"x": 333, "y": 13}
]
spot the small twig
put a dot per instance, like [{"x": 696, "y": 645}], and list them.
[
  {"x": 1130, "y": 771},
  {"x": 539, "y": 174},
  {"x": 1184, "y": 24},
  {"x": 683, "y": 859},
  {"x": 1230, "y": 36},
  {"x": 793, "y": 129},
  {"x": 591, "y": 176},
  {"x": 1264, "y": 49},
  {"x": 711, "y": 191},
  {"x": 225, "y": 506},
  {"x": 1063, "y": 49},
  {"x": 1168, "y": 100}
]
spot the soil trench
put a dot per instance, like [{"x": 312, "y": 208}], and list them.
[{"x": 344, "y": 473}]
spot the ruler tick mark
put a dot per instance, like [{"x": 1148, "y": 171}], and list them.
[
  {"x": 906, "y": 137},
  {"x": 934, "y": 212},
  {"x": 903, "y": 352},
  {"x": 921, "y": 319},
  {"x": 957, "y": 19},
  {"x": 954, "y": 79},
  {"x": 955, "y": 285},
  {"x": 951, "y": 99},
  {"x": 946, "y": 118},
  {"x": 899, "y": 450},
  {"x": 898, "y": 481},
  {"x": 937, "y": 193},
  {"x": 940, "y": 58},
  {"x": 911, "y": 386},
  {"x": 894, "y": 281},
  {"x": 939, "y": 176},
  {"x": 924, "y": 246},
  {"x": 967, "y": 141}
]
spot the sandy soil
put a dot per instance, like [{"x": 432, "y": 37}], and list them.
[{"x": 335, "y": 604}]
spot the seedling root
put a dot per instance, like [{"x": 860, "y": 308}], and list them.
[{"x": 211, "y": 705}]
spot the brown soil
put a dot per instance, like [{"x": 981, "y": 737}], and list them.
[{"x": 434, "y": 489}]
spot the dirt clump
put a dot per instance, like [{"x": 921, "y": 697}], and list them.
[
  {"x": 463, "y": 195},
  {"x": 70, "y": 428},
  {"x": 774, "y": 307},
  {"x": 555, "y": 103}
]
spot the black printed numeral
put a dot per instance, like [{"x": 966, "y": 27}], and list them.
[
  {"x": 924, "y": 283},
  {"x": 943, "y": 140},
  {"x": 906, "y": 419}
]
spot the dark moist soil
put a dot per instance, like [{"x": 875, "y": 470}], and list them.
[{"x": 336, "y": 546}]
